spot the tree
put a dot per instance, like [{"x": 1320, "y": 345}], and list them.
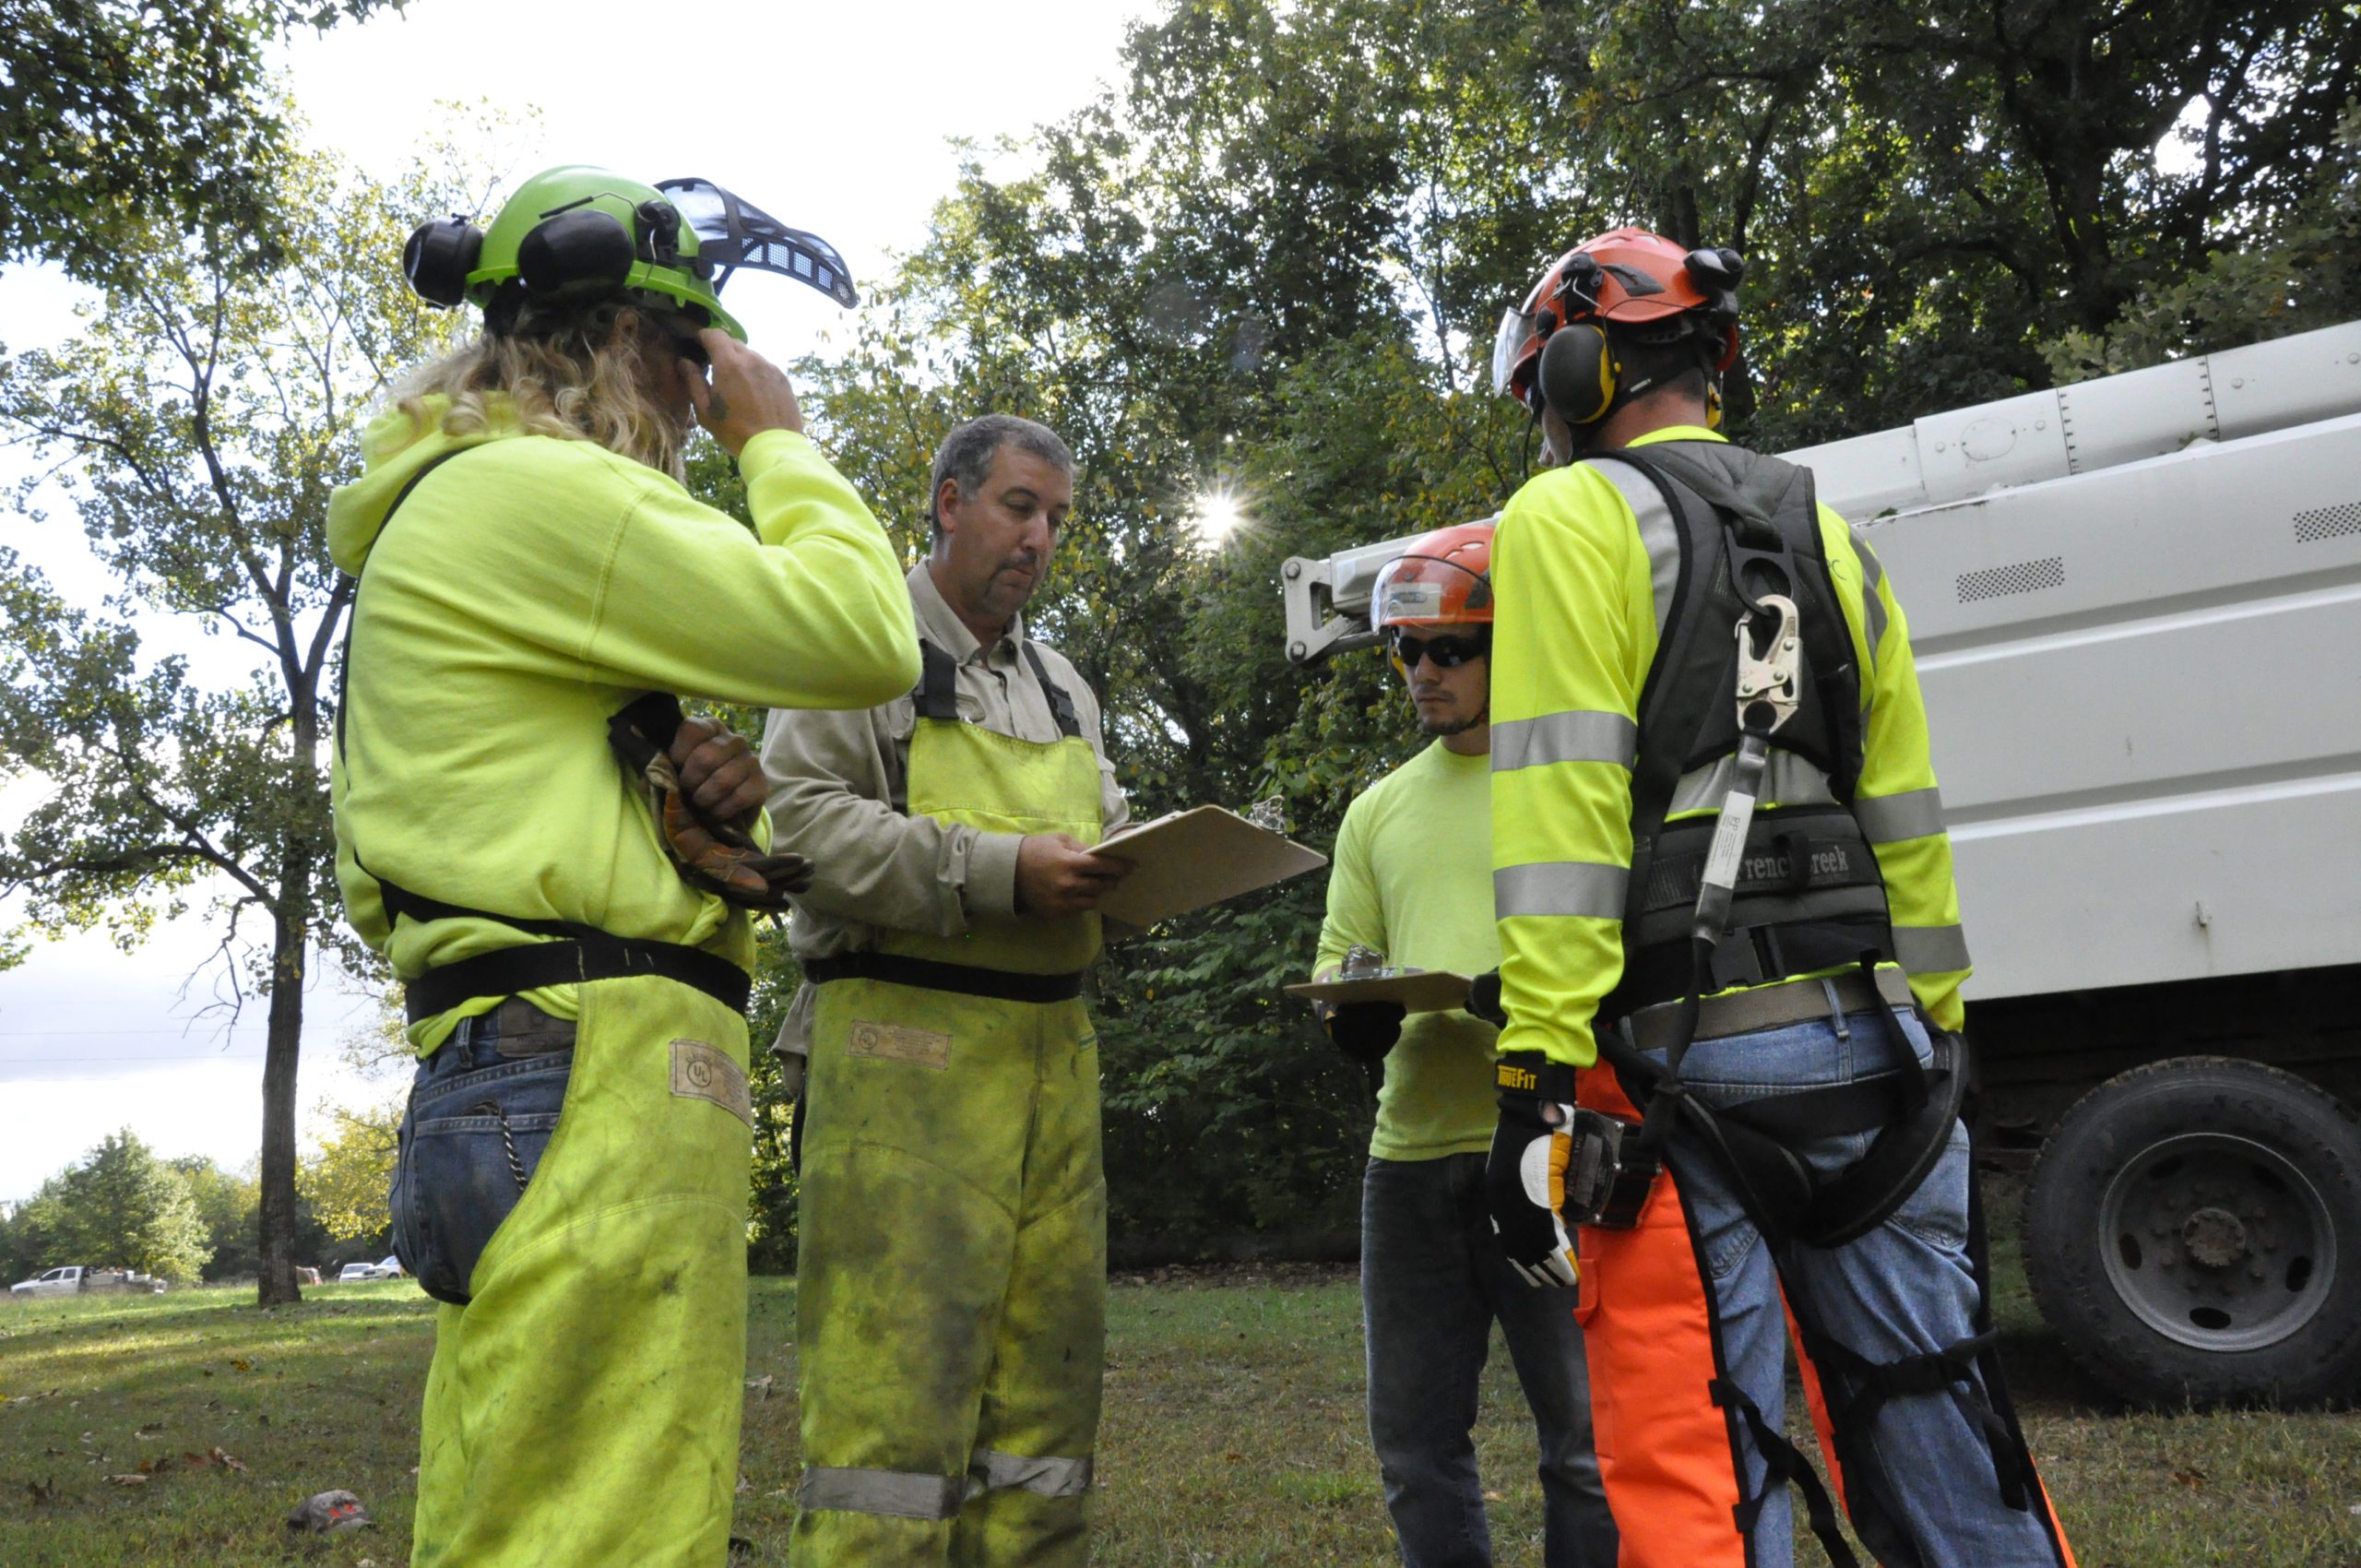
[
  {"x": 199, "y": 422},
  {"x": 227, "y": 1203},
  {"x": 115, "y": 114},
  {"x": 346, "y": 1183},
  {"x": 122, "y": 1208}
]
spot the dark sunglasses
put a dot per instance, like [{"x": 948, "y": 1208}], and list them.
[{"x": 1449, "y": 653}]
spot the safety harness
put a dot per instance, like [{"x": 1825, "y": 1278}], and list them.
[
  {"x": 575, "y": 953},
  {"x": 936, "y": 696},
  {"x": 1755, "y": 647}
]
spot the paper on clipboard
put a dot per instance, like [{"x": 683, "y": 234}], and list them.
[
  {"x": 1191, "y": 858},
  {"x": 1419, "y": 990}
]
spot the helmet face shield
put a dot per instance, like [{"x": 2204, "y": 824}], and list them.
[
  {"x": 1426, "y": 591},
  {"x": 1512, "y": 348},
  {"x": 733, "y": 233}
]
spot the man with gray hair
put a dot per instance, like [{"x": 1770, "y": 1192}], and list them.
[{"x": 952, "y": 1242}]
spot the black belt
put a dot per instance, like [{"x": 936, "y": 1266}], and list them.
[
  {"x": 928, "y": 974},
  {"x": 573, "y": 961}
]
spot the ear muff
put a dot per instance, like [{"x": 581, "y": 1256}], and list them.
[
  {"x": 1576, "y": 376},
  {"x": 578, "y": 255},
  {"x": 437, "y": 258}
]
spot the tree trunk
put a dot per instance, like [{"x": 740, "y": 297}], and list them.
[{"x": 277, "y": 1285}]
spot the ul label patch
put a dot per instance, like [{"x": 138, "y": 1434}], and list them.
[
  {"x": 700, "y": 1072},
  {"x": 894, "y": 1042}
]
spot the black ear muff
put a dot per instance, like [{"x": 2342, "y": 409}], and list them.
[
  {"x": 576, "y": 256},
  {"x": 438, "y": 256},
  {"x": 1577, "y": 373}
]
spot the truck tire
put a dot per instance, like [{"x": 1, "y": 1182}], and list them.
[{"x": 2194, "y": 1235}]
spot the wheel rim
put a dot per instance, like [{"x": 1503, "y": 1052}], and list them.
[{"x": 2217, "y": 1242}]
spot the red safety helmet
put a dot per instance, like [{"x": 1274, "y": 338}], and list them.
[
  {"x": 1444, "y": 579},
  {"x": 1630, "y": 278}
]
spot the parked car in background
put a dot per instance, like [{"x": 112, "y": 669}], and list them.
[
  {"x": 74, "y": 1279},
  {"x": 391, "y": 1268}
]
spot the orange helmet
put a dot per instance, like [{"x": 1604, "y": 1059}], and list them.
[
  {"x": 1444, "y": 579},
  {"x": 1630, "y": 279}
]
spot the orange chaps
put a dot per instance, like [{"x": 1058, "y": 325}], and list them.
[{"x": 1678, "y": 1445}]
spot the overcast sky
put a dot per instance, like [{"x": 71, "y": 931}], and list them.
[{"x": 838, "y": 121}]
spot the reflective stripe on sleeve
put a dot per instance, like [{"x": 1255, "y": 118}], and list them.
[
  {"x": 1873, "y": 607},
  {"x": 1658, "y": 533},
  {"x": 1890, "y": 819},
  {"x": 1930, "y": 949},
  {"x": 1559, "y": 888},
  {"x": 1049, "y": 1477},
  {"x": 901, "y": 1493},
  {"x": 1574, "y": 735}
]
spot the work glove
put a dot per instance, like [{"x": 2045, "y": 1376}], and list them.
[
  {"x": 1483, "y": 999},
  {"x": 1364, "y": 1031},
  {"x": 720, "y": 858},
  {"x": 1524, "y": 1176}
]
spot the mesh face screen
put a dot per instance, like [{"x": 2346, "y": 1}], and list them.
[{"x": 733, "y": 233}]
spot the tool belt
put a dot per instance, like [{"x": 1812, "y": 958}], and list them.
[{"x": 930, "y": 974}]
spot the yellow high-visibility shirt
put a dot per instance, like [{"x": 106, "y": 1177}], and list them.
[
  {"x": 521, "y": 594},
  {"x": 1579, "y": 588},
  {"x": 1410, "y": 880}
]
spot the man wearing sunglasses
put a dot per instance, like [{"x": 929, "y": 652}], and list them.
[{"x": 1412, "y": 880}]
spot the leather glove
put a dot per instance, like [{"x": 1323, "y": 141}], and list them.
[
  {"x": 720, "y": 858},
  {"x": 1483, "y": 999},
  {"x": 1524, "y": 1177},
  {"x": 1364, "y": 1031}
]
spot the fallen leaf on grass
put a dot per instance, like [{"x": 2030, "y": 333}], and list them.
[
  {"x": 134, "y": 1479},
  {"x": 46, "y": 1491},
  {"x": 760, "y": 1385},
  {"x": 2191, "y": 1478},
  {"x": 1491, "y": 1496},
  {"x": 215, "y": 1457},
  {"x": 238, "y": 1363}
]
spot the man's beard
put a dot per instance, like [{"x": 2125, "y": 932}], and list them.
[{"x": 1439, "y": 729}]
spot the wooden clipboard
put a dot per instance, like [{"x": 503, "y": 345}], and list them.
[
  {"x": 1191, "y": 858},
  {"x": 1419, "y": 990}
]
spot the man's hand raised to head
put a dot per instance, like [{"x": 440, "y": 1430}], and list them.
[
  {"x": 746, "y": 395},
  {"x": 1056, "y": 876}
]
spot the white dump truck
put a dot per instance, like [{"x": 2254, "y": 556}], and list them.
[{"x": 2136, "y": 608}]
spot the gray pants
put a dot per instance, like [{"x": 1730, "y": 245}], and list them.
[{"x": 1433, "y": 1282}]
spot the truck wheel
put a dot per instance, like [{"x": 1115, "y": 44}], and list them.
[{"x": 2194, "y": 1235}]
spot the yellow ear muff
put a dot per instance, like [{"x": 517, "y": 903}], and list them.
[{"x": 1577, "y": 373}]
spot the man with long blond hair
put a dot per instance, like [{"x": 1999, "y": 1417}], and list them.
[{"x": 572, "y": 929}]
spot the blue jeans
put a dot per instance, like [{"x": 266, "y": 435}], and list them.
[
  {"x": 1433, "y": 1282},
  {"x": 481, "y": 1110},
  {"x": 1905, "y": 1288}
]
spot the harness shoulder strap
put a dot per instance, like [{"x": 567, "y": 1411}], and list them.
[
  {"x": 1060, "y": 705},
  {"x": 937, "y": 693}
]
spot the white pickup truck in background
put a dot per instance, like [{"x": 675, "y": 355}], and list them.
[
  {"x": 2135, "y": 604},
  {"x": 75, "y": 1279}
]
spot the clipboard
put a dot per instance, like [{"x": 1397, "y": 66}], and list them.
[
  {"x": 1188, "y": 859},
  {"x": 1419, "y": 990}
]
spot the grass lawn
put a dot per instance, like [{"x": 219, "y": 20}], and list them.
[{"x": 1233, "y": 1436}]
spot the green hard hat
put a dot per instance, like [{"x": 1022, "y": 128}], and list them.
[{"x": 576, "y": 235}]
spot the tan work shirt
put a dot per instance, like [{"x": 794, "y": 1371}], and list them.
[{"x": 840, "y": 788}]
